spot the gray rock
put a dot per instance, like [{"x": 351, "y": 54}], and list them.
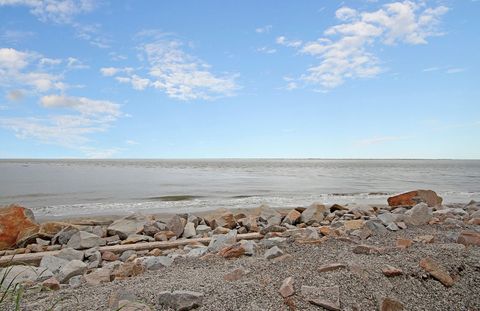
[
  {"x": 42, "y": 242},
  {"x": 120, "y": 295},
  {"x": 376, "y": 226},
  {"x": 53, "y": 263},
  {"x": 222, "y": 240},
  {"x": 189, "y": 230},
  {"x": 83, "y": 240},
  {"x": 136, "y": 238},
  {"x": 273, "y": 252},
  {"x": 176, "y": 225},
  {"x": 94, "y": 259},
  {"x": 202, "y": 229},
  {"x": 157, "y": 263},
  {"x": 126, "y": 226},
  {"x": 393, "y": 227},
  {"x": 64, "y": 235},
  {"x": 249, "y": 246},
  {"x": 420, "y": 214},
  {"x": 70, "y": 254},
  {"x": 20, "y": 274},
  {"x": 389, "y": 218},
  {"x": 326, "y": 297},
  {"x": 72, "y": 268},
  {"x": 313, "y": 213},
  {"x": 126, "y": 254},
  {"x": 270, "y": 215},
  {"x": 197, "y": 252},
  {"x": 181, "y": 300},
  {"x": 273, "y": 241},
  {"x": 76, "y": 281}
]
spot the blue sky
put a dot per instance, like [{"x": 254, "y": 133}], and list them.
[{"x": 222, "y": 79}]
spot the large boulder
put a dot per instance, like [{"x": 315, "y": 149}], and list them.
[
  {"x": 414, "y": 197},
  {"x": 16, "y": 222},
  {"x": 23, "y": 274},
  {"x": 226, "y": 220},
  {"x": 313, "y": 213},
  {"x": 176, "y": 225},
  {"x": 84, "y": 240},
  {"x": 71, "y": 269},
  {"x": 126, "y": 226},
  {"x": 420, "y": 214},
  {"x": 44, "y": 231}
]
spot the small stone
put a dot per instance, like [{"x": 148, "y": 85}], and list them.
[
  {"x": 273, "y": 228},
  {"x": 76, "y": 281},
  {"x": 365, "y": 249},
  {"x": 313, "y": 213},
  {"x": 155, "y": 252},
  {"x": 189, "y": 230},
  {"x": 220, "y": 241},
  {"x": 221, "y": 230},
  {"x": 326, "y": 297},
  {"x": 286, "y": 289},
  {"x": 273, "y": 252},
  {"x": 390, "y": 271},
  {"x": 469, "y": 238},
  {"x": 427, "y": 239},
  {"x": 235, "y": 275},
  {"x": 227, "y": 220},
  {"x": 126, "y": 226},
  {"x": 136, "y": 238},
  {"x": 157, "y": 263},
  {"x": 53, "y": 263},
  {"x": 393, "y": 227},
  {"x": 437, "y": 271},
  {"x": 42, "y": 242},
  {"x": 331, "y": 267},
  {"x": 404, "y": 243},
  {"x": 98, "y": 276},
  {"x": 418, "y": 215},
  {"x": 354, "y": 224},
  {"x": 51, "y": 283},
  {"x": 126, "y": 254},
  {"x": 109, "y": 256},
  {"x": 390, "y": 304},
  {"x": 197, "y": 252},
  {"x": 181, "y": 300},
  {"x": 128, "y": 269},
  {"x": 203, "y": 229},
  {"x": 325, "y": 230}
]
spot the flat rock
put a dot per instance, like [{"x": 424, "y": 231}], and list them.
[
  {"x": 157, "y": 263},
  {"x": 137, "y": 238},
  {"x": 287, "y": 289},
  {"x": 99, "y": 276},
  {"x": 469, "y": 238},
  {"x": 203, "y": 229},
  {"x": 23, "y": 274},
  {"x": 226, "y": 220},
  {"x": 70, "y": 254},
  {"x": 273, "y": 252},
  {"x": 437, "y": 271},
  {"x": 51, "y": 283},
  {"x": 325, "y": 297},
  {"x": 181, "y": 300},
  {"x": 390, "y": 271},
  {"x": 313, "y": 213},
  {"x": 365, "y": 249},
  {"x": 64, "y": 235},
  {"x": 189, "y": 230},
  {"x": 331, "y": 267},
  {"x": 53, "y": 263},
  {"x": 270, "y": 215},
  {"x": 72, "y": 268},
  {"x": 128, "y": 269},
  {"x": 232, "y": 251},
  {"x": 126, "y": 226},
  {"x": 414, "y": 197},
  {"x": 84, "y": 240}
]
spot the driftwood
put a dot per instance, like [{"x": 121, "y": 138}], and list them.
[{"x": 35, "y": 258}]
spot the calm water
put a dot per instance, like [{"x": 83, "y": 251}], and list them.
[{"x": 79, "y": 187}]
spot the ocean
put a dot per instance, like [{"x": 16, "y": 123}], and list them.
[{"x": 62, "y": 188}]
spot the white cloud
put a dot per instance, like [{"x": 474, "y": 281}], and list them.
[
  {"x": 429, "y": 69},
  {"x": 16, "y": 36},
  {"x": 455, "y": 70},
  {"x": 266, "y": 50},
  {"x": 172, "y": 70},
  {"x": 131, "y": 142},
  {"x": 264, "y": 29},
  {"x": 74, "y": 63},
  {"x": 58, "y": 11},
  {"x": 85, "y": 106},
  {"x": 345, "y": 52}
]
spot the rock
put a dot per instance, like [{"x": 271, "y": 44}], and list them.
[
  {"x": 51, "y": 283},
  {"x": 155, "y": 252},
  {"x": 99, "y": 276},
  {"x": 164, "y": 235},
  {"x": 136, "y": 238},
  {"x": 331, "y": 267},
  {"x": 153, "y": 227},
  {"x": 181, "y": 300},
  {"x": 235, "y": 275},
  {"x": 273, "y": 228},
  {"x": 53, "y": 263},
  {"x": 437, "y": 271},
  {"x": 64, "y": 235},
  {"x": 326, "y": 297},
  {"x": 72, "y": 268},
  {"x": 233, "y": 251},
  {"x": 388, "y": 218},
  {"x": 404, "y": 243},
  {"x": 126, "y": 226},
  {"x": 76, "y": 281},
  {"x": 414, "y": 197},
  {"x": 420, "y": 214},
  {"x": 270, "y": 215},
  {"x": 286, "y": 289},
  {"x": 203, "y": 229},
  {"x": 313, "y": 213},
  {"x": 70, "y": 254},
  {"x": 376, "y": 227},
  {"x": 120, "y": 295},
  {"x": 354, "y": 224},
  {"x": 197, "y": 252},
  {"x": 365, "y": 249},
  {"x": 221, "y": 230},
  {"x": 128, "y": 269},
  {"x": 390, "y": 271},
  {"x": 338, "y": 207},
  {"x": 227, "y": 220},
  {"x": 273, "y": 252},
  {"x": 176, "y": 225},
  {"x": 109, "y": 256},
  {"x": 157, "y": 263},
  {"x": 427, "y": 239},
  {"x": 189, "y": 230},
  {"x": 393, "y": 227},
  {"x": 16, "y": 222},
  {"x": 94, "y": 258},
  {"x": 250, "y": 222},
  {"x": 292, "y": 217},
  {"x": 469, "y": 238},
  {"x": 42, "y": 242},
  {"x": 390, "y": 304},
  {"x": 249, "y": 246},
  {"x": 14, "y": 275},
  {"x": 220, "y": 241},
  {"x": 126, "y": 254},
  {"x": 83, "y": 240}
]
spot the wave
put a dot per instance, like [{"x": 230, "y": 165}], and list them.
[{"x": 173, "y": 198}]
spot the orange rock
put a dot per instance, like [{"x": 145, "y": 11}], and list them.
[
  {"x": 354, "y": 224},
  {"x": 233, "y": 251},
  {"x": 437, "y": 271},
  {"x": 292, "y": 217},
  {"x": 15, "y": 222},
  {"x": 414, "y": 197},
  {"x": 390, "y": 271},
  {"x": 45, "y": 230},
  {"x": 325, "y": 230},
  {"x": 404, "y": 243},
  {"x": 469, "y": 238},
  {"x": 52, "y": 284}
]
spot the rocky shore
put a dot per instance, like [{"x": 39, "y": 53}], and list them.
[{"x": 412, "y": 254}]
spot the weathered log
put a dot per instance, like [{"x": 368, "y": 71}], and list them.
[{"x": 35, "y": 258}]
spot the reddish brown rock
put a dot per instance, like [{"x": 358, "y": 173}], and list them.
[
  {"x": 227, "y": 220},
  {"x": 469, "y": 238},
  {"x": 404, "y": 243},
  {"x": 331, "y": 267},
  {"x": 235, "y": 275},
  {"x": 233, "y": 251},
  {"x": 390, "y": 271},
  {"x": 325, "y": 230},
  {"x": 51, "y": 283},
  {"x": 156, "y": 252},
  {"x": 390, "y": 304},
  {"x": 292, "y": 217},
  {"x": 109, "y": 256},
  {"x": 437, "y": 271},
  {"x": 15, "y": 222},
  {"x": 128, "y": 269},
  {"x": 414, "y": 197},
  {"x": 286, "y": 289}
]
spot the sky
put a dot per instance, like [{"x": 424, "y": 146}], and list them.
[{"x": 239, "y": 79}]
